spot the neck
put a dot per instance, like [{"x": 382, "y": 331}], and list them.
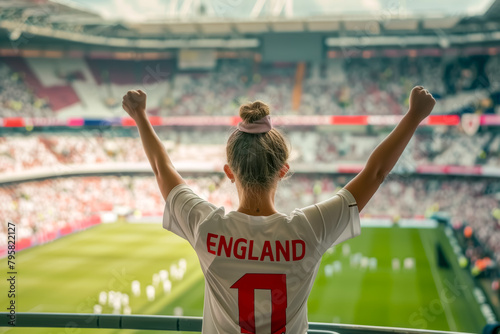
[{"x": 262, "y": 204}]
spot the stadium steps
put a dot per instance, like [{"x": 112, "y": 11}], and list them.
[{"x": 297, "y": 88}]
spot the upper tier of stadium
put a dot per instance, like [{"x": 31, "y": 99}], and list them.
[
  {"x": 70, "y": 59},
  {"x": 91, "y": 87}
]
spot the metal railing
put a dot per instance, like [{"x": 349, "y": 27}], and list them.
[{"x": 170, "y": 323}]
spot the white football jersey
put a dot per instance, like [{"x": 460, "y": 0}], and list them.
[{"x": 259, "y": 270}]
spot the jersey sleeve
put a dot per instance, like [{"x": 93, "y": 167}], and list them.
[
  {"x": 184, "y": 212},
  {"x": 334, "y": 220}
]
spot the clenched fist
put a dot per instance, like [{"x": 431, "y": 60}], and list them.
[
  {"x": 421, "y": 102},
  {"x": 134, "y": 103}
]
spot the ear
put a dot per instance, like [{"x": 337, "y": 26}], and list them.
[
  {"x": 284, "y": 170},
  {"x": 229, "y": 172}
]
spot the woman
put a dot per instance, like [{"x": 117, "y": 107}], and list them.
[{"x": 260, "y": 264}]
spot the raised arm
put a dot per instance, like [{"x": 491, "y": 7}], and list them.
[
  {"x": 387, "y": 153},
  {"x": 134, "y": 103}
]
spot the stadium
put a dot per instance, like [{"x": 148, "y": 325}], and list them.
[{"x": 81, "y": 201}]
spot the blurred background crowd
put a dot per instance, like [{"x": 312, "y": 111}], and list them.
[
  {"x": 308, "y": 148},
  {"x": 352, "y": 86}
]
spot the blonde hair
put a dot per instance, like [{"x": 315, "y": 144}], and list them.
[{"x": 256, "y": 158}]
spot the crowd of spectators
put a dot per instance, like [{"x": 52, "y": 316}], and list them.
[
  {"x": 188, "y": 146},
  {"x": 38, "y": 207},
  {"x": 351, "y": 86},
  {"x": 46, "y": 206},
  {"x": 221, "y": 92},
  {"x": 16, "y": 99},
  {"x": 378, "y": 86}
]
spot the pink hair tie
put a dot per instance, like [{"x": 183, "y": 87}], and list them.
[{"x": 263, "y": 125}]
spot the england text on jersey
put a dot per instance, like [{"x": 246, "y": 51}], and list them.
[{"x": 243, "y": 249}]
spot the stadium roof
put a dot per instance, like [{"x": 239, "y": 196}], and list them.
[
  {"x": 494, "y": 11},
  {"x": 140, "y": 11},
  {"x": 167, "y": 24}
]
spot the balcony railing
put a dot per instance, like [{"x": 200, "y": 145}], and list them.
[{"x": 170, "y": 323}]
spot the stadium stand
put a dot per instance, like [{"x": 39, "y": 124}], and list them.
[
  {"x": 429, "y": 149},
  {"x": 375, "y": 86},
  {"x": 16, "y": 99},
  {"x": 33, "y": 73}
]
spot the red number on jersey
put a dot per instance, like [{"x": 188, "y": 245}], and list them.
[{"x": 246, "y": 286}]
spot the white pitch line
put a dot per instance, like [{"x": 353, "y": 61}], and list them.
[{"x": 439, "y": 287}]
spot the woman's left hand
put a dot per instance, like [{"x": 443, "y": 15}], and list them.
[{"x": 134, "y": 103}]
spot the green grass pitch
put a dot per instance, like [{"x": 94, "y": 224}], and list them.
[{"x": 67, "y": 275}]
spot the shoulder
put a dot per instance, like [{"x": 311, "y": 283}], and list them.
[
  {"x": 342, "y": 199},
  {"x": 178, "y": 189},
  {"x": 183, "y": 193},
  {"x": 346, "y": 195}
]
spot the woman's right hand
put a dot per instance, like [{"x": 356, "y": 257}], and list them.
[{"x": 421, "y": 103}]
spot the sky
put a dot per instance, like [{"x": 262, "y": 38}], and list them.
[{"x": 147, "y": 10}]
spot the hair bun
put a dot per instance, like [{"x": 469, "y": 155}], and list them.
[{"x": 252, "y": 112}]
